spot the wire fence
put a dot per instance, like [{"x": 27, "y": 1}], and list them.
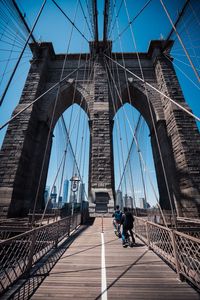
[
  {"x": 20, "y": 253},
  {"x": 180, "y": 250}
]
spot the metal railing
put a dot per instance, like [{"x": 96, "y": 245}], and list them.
[
  {"x": 20, "y": 253},
  {"x": 180, "y": 250}
]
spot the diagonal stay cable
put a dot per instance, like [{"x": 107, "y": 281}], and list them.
[
  {"x": 72, "y": 150},
  {"x": 62, "y": 11},
  {"x": 120, "y": 148},
  {"x": 52, "y": 119},
  {"x": 180, "y": 40},
  {"x": 43, "y": 94},
  {"x": 130, "y": 149},
  {"x": 136, "y": 142},
  {"x": 129, "y": 98},
  {"x": 153, "y": 121},
  {"x": 136, "y": 16},
  {"x": 180, "y": 69},
  {"x": 86, "y": 20},
  {"x": 21, "y": 54},
  {"x": 54, "y": 182},
  {"x": 113, "y": 25},
  {"x": 152, "y": 118},
  {"x": 155, "y": 89}
]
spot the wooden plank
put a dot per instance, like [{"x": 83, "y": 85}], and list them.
[{"x": 132, "y": 273}]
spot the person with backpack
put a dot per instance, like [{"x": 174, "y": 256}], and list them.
[
  {"x": 127, "y": 226},
  {"x": 117, "y": 215}
]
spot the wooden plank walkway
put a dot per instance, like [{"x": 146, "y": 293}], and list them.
[{"x": 131, "y": 273}]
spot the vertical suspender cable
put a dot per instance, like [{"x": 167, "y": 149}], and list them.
[
  {"x": 153, "y": 121},
  {"x": 118, "y": 129},
  {"x": 129, "y": 98},
  {"x": 136, "y": 141},
  {"x": 180, "y": 40},
  {"x": 125, "y": 182},
  {"x": 50, "y": 126},
  {"x": 21, "y": 54}
]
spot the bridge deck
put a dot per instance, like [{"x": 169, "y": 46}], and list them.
[{"x": 131, "y": 273}]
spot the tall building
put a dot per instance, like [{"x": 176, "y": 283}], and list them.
[
  {"x": 129, "y": 202},
  {"x": 60, "y": 202},
  {"x": 143, "y": 203},
  {"x": 54, "y": 196},
  {"x": 65, "y": 191},
  {"x": 119, "y": 199},
  {"x": 125, "y": 199},
  {"x": 81, "y": 193},
  {"x": 73, "y": 197},
  {"x": 46, "y": 194}
]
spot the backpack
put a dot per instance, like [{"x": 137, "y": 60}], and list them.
[
  {"x": 128, "y": 220},
  {"x": 118, "y": 215}
]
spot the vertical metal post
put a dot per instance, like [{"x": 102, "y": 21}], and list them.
[
  {"x": 175, "y": 253},
  {"x": 57, "y": 238},
  {"x": 31, "y": 252},
  {"x": 68, "y": 224},
  {"x": 147, "y": 233}
]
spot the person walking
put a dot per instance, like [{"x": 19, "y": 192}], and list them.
[
  {"x": 127, "y": 226},
  {"x": 117, "y": 216}
]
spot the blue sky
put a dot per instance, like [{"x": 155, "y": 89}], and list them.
[{"x": 151, "y": 24}]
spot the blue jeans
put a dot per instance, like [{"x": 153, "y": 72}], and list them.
[{"x": 125, "y": 232}]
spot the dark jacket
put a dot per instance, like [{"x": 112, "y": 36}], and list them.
[{"x": 127, "y": 220}]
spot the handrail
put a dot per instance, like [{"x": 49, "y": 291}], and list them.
[
  {"x": 180, "y": 250},
  {"x": 19, "y": 253}
]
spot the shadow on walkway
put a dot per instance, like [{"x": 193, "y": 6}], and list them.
[{"x": 27, "y": 286}]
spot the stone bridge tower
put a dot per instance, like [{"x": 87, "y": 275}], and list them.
[{"x": 26, "y": 138}]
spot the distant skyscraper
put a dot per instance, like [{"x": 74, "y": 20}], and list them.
[
  {"x": 130, "y": 202},
  {"x": 60, "y": 202},
  {"x": 46, "y": 193},
  {"x": 143, "y": 203},
  {"x": 65, "y": 191},
  {"x": 81, "y": 194},
  {"x": 119, "y": 199},
  {"x": 125, "y": 198},
  {"x": 54, "y": 196}
]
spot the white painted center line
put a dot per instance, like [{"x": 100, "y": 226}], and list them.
[{"x": 103, "y": 270}]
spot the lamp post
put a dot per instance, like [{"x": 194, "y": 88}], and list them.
[{"x": 74, "y": 188}]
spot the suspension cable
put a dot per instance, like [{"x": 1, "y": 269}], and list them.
[
  {"x": 129, "y": 97},
  {"x": 43, "y": 94},
  {"x": 191, "y": 43},
  {"x": 51, "y": 121},
  {"x": 67, "y": 133},
  {"x": 180, "y": 40},
  {"x": 126, "y": 136},
  {"x": 21, "y": 54},
  {"x": 6, "y": 65},
  {"x": 155, "y": 89},
  {"x": 113, "y": 26},
  {"x": 73, "y": 24},
  {"x": 184, "y": 63},
  {"x": 136, "y": 142},
  {"x": 153, "y": 121},
  {"x": 128, "y": 162},
  {"x": 118, "y": 129},
  {"x": 184, "y": 73},
  {"x": 55, "y": 179},
  {"x": 86, "y": 20},
  {"x": 194, "y": 13},
  {"x": 136, "y": 16}
]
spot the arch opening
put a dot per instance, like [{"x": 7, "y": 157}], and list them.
[
  {"x": 133, "y": 188},
  {"x": 69, "y": 158}
]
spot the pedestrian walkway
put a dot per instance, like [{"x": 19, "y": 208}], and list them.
[{"x": 96, "y": 266}]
